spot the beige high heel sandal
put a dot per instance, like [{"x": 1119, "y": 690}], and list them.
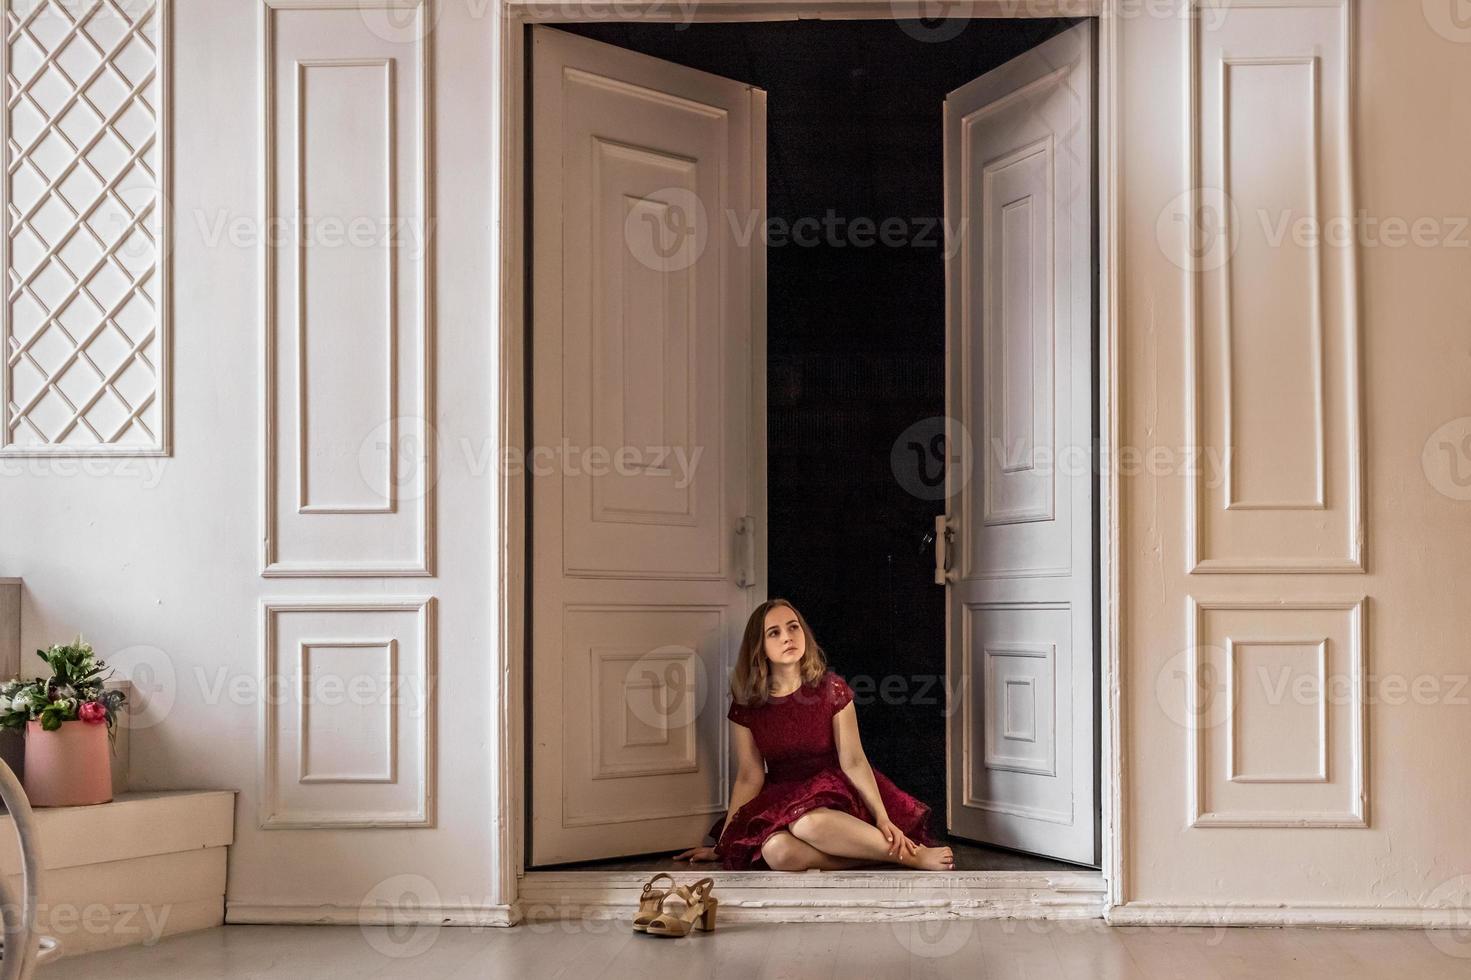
[
  {"x": 648, "y": 902},
  {"x": 699, "y": 910}
]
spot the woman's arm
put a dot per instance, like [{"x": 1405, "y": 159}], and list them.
[
  {"x": 750, "y": 771},
  {"x": 854, "y": 762},
  {"x": 750, "y": 778}
]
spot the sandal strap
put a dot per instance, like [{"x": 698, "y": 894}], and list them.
[
  {"x": 649, "y": 885},
  {"x": 678, "y": 891},
  {"x": 696, "y": 894},
  {"x": 683, "y": 892}
]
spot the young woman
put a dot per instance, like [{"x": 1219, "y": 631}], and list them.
[{"x": 820, "y": 805}]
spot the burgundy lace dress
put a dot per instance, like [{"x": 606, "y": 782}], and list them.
[{"x": 795, "y": 736}]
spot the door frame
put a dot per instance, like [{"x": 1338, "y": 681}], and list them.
[{"x": 508, "y": 818}]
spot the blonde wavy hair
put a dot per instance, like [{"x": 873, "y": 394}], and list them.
[{"x": 750, "y": 682}]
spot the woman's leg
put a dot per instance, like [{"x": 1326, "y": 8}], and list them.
[
  {"x": 842, "y": 834},
  {"x": 783, "y": 851}
]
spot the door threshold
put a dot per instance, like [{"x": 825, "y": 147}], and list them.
[{"x": 865, "y": 895}]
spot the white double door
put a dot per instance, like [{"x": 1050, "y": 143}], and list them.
[{"x": 648, "y": 496}]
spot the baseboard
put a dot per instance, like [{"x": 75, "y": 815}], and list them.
[
  {"x": 237, "y": 913},
  {"x": 1348, "y": 917}
]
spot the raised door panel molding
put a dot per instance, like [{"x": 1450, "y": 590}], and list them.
[
  {"x": 86, "y": 150},
  {"x": 645, "y": 352},
  {"x": 1025, "y": 230},
  {"x": 348, "y": 397},
  {"x": 1019, "y": 381},
  {"x": 1020, "y": 653},
  {"x": 347, "y": 735},
  {"x": 1277, "y": 713},
  {"x": 1272, "y": 262},
  {"x": 644, "y": 733}
]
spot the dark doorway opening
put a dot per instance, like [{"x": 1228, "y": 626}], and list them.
[{"x": 856, "y": 250}]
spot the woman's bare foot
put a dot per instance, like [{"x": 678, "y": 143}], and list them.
[{"x": 930, "y": 859}]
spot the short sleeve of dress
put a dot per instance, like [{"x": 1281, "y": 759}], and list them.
[
  {"x": 737, "y": 713},
  {"x": 839, "y": 694}
]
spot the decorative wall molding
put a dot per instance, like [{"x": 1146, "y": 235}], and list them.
[
  {"x": 1345, "y": 740},
  {"x": 1311, "y": 518},
  {"x": 387, "y": 451},
  {"x": 342, "y": 800},
  {"x": 1233, "y": 727},
  {"x": 305, "y": 773},
  {"x": 389, "y": 530},
  {"x": 86, "y": 143}
]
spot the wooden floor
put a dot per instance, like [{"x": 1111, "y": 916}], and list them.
[
  {"x": 758, "y": 951},
  {"x": 968, "y": 857}
]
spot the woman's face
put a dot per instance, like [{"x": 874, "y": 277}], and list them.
[{"x": 784, "y": 642}]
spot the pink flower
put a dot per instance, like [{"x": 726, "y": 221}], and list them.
[{"x": 92, "y": 712}]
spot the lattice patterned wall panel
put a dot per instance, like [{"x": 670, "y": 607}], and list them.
[{"x": 85, "y": 143}]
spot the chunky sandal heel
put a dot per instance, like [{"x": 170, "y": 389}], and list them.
[{"x": 707, "y": 919}]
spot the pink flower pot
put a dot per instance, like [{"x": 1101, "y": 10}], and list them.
[{"x": 71, "y": 766}]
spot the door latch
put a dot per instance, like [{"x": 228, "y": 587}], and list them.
[
  {"x": 944, "y": 557},
  {"x": 746, "y": 547}
]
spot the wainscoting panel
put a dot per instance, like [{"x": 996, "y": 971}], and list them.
[
  {"x": 1278, "y": 726},
  {"x": 1273, "y": 266},
  {"x": 349, "y": 439},
  {"x": 347, "y": 713}
]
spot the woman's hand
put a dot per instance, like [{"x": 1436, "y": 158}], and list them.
[
  {"x": 900, "y": 846},
  {"x": 698, "y": 854}
]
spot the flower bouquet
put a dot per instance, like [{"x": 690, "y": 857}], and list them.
[{"x": 67, "y": 718}]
